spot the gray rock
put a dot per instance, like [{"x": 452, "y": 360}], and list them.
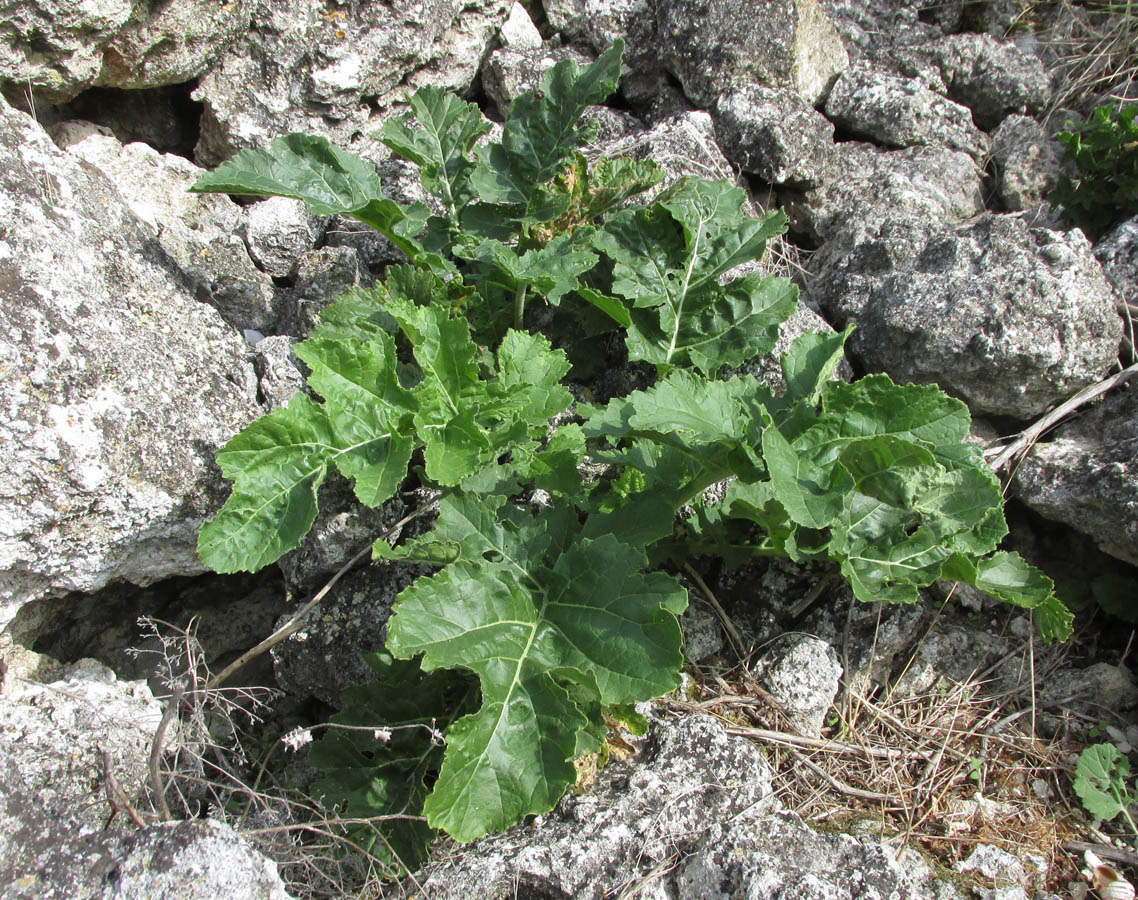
[
  {"x": 703, "y": 633},
  {"x": 775, "y": 134},
  {"x": 278, "y": 231},
  {"x": 279, "y": 374},
  {"x": 323, "y": 657},
  {"x": 1027, "y": 163},
  {"x": 321, "y": 276},
  {"x": 1082, "y": 697},
  {"x": 901, "y": 112},
  {"x": 119, "y": 384},
  {"x": 1118, "y": 253},
  {"x": 681, "y": 146},
  {"x": 518, "y": 31},
  {"x": 202, "y": 232},
  {"x": 597, "y": 23},
  {"x": 871, "y": 28},
  {"x": 994, "y": 864},
  {"x": 801, "y": 672},
  {"x": 57, "y": 735},
  {"x": 195, "y": 860},
  {"x": 689, "y": 780},
  {"x": 1008, "y": 317},
  {"x": 868, "y": 188},
  {"x": 778, "y": 857},
  {"x": 1086, "y": 475},
  {"x": 337, "y": 72},
  {"x": 992, "y": 78},
  {"x": 713, "y": 46},
  {"x": 508, "y": 73},
  {"x": 955, "y": 654},
  {"x": 60, "y": 48}
]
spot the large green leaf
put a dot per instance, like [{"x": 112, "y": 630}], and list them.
[
  {"x": 542, "y": 616},
  {"x": 370, "y": 423},
  {"x": 447, "y": 131},
  {"x": 540, "y": 134},
  {"x": 668, "y": 261},
  {"x": 330, "y": 181}
]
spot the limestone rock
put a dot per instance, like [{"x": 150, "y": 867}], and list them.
[
  {"x": 1027, "y": 163},
  {"x": 869, "y": 187},
  {"x": 337, "y": 71},
  {"x": 61, "y": 48},
  {"x": 1118, "y": 253},
  {"x": 202, "y": 232},
  {"x": 1086, "y": 475},
  {"x": 779, "y": 857},
  {"x": 518, "y": 31},
  {"x": 321, "y": 276},
  {"x": 509, "y": 72},
  {"x": 775, "y": 134},
  {"x": 1008, "y": 317},
  {"x": 802, "y": 672},
  {"x": 714, "y": 45},
  {"x": 278, "y": 231},
  {"x": 901, "y": 112},
  {"x": 323, "y": 657},
  {"x": 279, "y": 374},
  {"x": 119, "y": 385},
  {"x": 690, "y": 776},
  {"x": 992, "y": 78}
]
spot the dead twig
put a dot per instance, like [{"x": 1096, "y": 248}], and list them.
[
  {"x": 296, "y": 621},
  {"x": 157, "y": 782},
  {"x": 1027, "y": 437},
  {"x": 728, "y": 626},
  {"x": 116, "y": 797}
]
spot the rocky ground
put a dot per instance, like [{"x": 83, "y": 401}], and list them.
[{"x": 823, "y": 748}]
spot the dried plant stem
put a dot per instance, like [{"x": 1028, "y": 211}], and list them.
[
  {"x": 728, "y": 626},
  {"x": 157, "y": 782},
  {"x": 1030, "y": 435},
  {"x": 296, "y": 621}
]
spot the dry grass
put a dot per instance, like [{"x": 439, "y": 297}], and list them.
[
  {"x": 1095, "y": 49},
  {"x": 942, "y": 771},
  {"x": 202, "y": 766}
]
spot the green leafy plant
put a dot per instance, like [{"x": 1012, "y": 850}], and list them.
[
  {"x": 566, "y": 615},
  {"x": 1104, "y": 154},
  {"x": 1100, "y": 782}
]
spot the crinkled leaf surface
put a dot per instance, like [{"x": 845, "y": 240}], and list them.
[
  {"x": 369, "y": 424},
  {"x": 541, "y": 132},
  {"x": 552, "y": 270},
  {"x": 448, "y": 128},
  {"x": 668, "y": 261},
  {"x": 530, "y": 607}
]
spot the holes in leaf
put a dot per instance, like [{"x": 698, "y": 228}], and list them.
[{"x": 493, "y": 556}]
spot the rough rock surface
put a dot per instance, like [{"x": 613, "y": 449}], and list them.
[
  {"x": 119, "y": 388},
  {"x": 1086, "y": 475},
  {"x": 278, "y": 231},
  {"x": 869, "y": 187},
  {"x": 775, "y": 134},
  {"x": 637, "y": 815},
  {"x": 61, "y": 47},
  {"x": 323, "y": 657},
  {"x": 778, "y": 857},
  {"x": 713, "y": 46},
  {"x": 693, "y": 817},
  {"x": 1008, "y": 317},
  {"x": 334, "y": 71},
  {"x": 992, "y": 78},
  {"x": 57, "y": 733},
  {"x": 1027, "y": 163},
  {"x": 509, "y": 72},
  {"x": 1118, "y": 253},
  {"x": 901, "y": 112},
  {"x": 801, "y": 672},
  {"x": 202, "y": 232}
]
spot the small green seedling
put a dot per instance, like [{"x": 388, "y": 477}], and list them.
[{"x": 1101, "y": 782}]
